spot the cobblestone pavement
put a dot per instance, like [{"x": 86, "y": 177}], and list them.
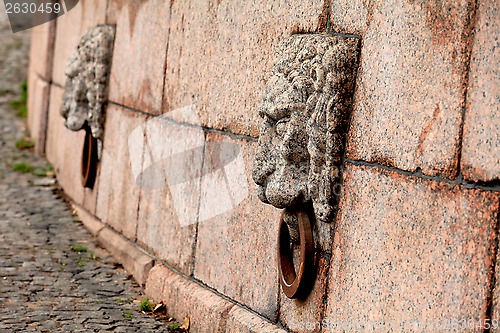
[
  {"x": 53, "y": 277},
  {"x": 46, "y": 285},
  {"x": 48, "y": 282}
]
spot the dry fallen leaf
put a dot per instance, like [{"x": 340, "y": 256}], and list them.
[
  {"x": 158, "y": 306},
  {"x": 185, "y": 323}
]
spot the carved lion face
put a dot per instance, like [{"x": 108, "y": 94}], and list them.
[
  {"x": 87, "y": 74},
  {"x": 282, "y": 160},
  {"x": 305, "y": 112}
]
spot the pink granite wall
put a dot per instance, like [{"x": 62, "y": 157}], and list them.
[{"x": 415, "y": 239}]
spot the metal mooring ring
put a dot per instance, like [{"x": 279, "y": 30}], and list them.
[
  {"x": 296, "y": 284},
  {"x": 89, "y": 160}
]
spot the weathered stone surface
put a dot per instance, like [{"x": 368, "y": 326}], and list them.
[
  {"x": 69, "y": 162},
  {"x": 495, "y": 312},
  {"x": 207, "y": 311},
  {"x": 236, "y": 250},
  {"x": 69, "y": 28},
  {"x": 410, "y": 88},
  {"x": 117, "y": 192},
  {"x": 168, "y": 181},
  {"x": 55, "y": 124},
  {"x": 93, "y": 225},
  {"x": 481, "y": 141},
  {"x": 139, "y": 55},
  {"x": 90, "y": 195},
  {"x": 155, "y": 283},
  {"x": 306, "y": 108},
  {"x": 93, "y": 13},
  {"x": 306, "y": 315},
  {"x": 220, "y": 55},
  {"x": 42, "y": 50},
  {"x": 404, "y": 243},
  {"x": 132, "y": 258},
  {"x": 243, "y": 321},
  {"x": 67, "y": 37},
  {"x": 38, "y": 111},
  {"x": 64, "y": 149},
  {"x": 350, "y": 16},
  {"x": 85, "y": 92}
]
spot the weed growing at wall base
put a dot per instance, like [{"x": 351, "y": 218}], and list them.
[
  {"x": 23, "y": 167},
  {"x": 25, "y": 143},
  {"x": 146, "y": 306}
]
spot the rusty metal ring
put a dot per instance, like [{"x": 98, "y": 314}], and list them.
[
  {"x": 89, "y": 159},
  {"x": 296, "y": 284}
]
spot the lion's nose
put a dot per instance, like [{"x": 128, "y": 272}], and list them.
[{"x": 261, "y": 172}]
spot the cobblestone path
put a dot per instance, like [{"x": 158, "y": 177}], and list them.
[{"x": 53, "y": 277}]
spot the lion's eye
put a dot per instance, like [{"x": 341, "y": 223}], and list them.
[
  {"x": 282, "y": 126},
  {"x": 268, "y": 122}
]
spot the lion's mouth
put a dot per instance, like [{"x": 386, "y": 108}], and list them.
[
  {"x": 279, "y": 197},
  {"x": 261, "y": 193}
]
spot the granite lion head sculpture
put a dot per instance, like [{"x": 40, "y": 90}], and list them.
[
  {"x": 87, "y": 72},
  {"x": 305, "y": 111}
]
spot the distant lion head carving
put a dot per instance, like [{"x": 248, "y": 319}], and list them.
[
  {"x": 305, "y": 111},
  {"x": 87, "y": 72}
]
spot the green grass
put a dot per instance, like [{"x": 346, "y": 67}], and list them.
[
  {"x": 173, "y": 327},
  {"x": 121, "y": 301},
  {"x": 79, "y": 248},
  {"x": 146, "y": 306},
  {"x": 127, "y": 315},
  {"x": 82, "y": 261},
  {"x": 22, "y": 112},
  {"x": 23, "y": 167},
  {"x": 42, "y": 171},
  {"x": 24, "y": 143},
  {"x": 20, "y": 104}
]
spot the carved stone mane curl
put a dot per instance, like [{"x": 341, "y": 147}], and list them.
[
  {"x": 323, "y": 71},
  {"x": 85, "y": 93}
]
